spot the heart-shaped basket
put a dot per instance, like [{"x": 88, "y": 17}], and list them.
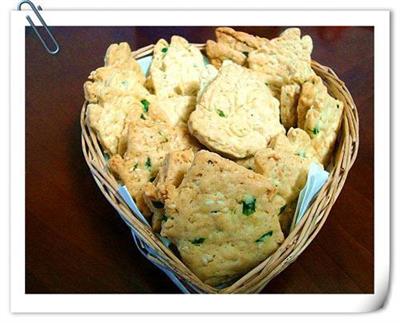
[{"x": 153, "y": 247}]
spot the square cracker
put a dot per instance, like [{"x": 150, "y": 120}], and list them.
[
  {"x": 223, "y": 218},
  {"x": 286, "y": 163}
]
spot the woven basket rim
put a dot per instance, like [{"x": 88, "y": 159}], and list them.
[{"x": 299, "y": 238}]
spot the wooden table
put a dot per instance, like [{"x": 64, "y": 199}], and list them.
[{"x": 76, "y": 242}]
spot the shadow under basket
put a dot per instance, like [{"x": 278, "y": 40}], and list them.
[{"x": 153, "y": 248}]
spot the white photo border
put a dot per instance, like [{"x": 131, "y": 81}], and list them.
[{"x": 144, "y": 303}]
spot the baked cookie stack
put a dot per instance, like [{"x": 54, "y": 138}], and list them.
[{"x": 215, "y": 155}]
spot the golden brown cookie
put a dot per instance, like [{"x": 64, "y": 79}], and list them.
[
  {"x": 236, "y": 115},
  {"x": 286, "y": 163},
  {"x": 120, "y": 56},
  {"x": 113, "y": 91},
  {"x": 238, "y": 40},
  {"x": 121, "y": 75},
  {"x": 232, "y": 45},
  {"x": 222, "y": 218},
  {"x": 296, "y": 142},
  {"x": 218, "y": 52},
  {"x": 284, "y": 60},
  {"x": 175, "y": 68},
  {"x": 319, "y": 114}
]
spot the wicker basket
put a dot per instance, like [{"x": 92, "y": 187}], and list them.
[{"x": 255, "y": 280}]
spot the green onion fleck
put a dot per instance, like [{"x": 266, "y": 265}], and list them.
[
  {"x": 164, "y": 50},
  {"x": 158, "y": 205},
  {"x": 197, "y": 241},
  {"x": 134, "y": 167},
  {"x": 147, "y": 164},
  {"x": 249, "y": 205},
  {"x": 221, "y": 113},
  {"x": 264, "y": 237},
  {"x": 164, "y": 218},
  {"x": 142, "y": 116},
  {"x": 315, "y": 131},
  {"x": 145, "y": 105}
]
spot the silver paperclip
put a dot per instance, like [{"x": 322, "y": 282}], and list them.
[{"x": 36, "y": 11}]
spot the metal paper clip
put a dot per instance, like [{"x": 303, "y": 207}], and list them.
[{"x": 39, "y": 16}]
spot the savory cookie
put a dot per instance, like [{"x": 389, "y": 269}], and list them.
[
  {"x": 284, "y": 60},
  {"x": 121, "y": 75},
  {"x": 113, "y": 91},
  {"x": 108, "y": 82},
  {"x": 285, "y": 163},
  {"x": 289, "y": 99},
  {"x": 232, "y": 45},
  {"x": 296, "y": 142},
  {"x": 176, "y": 68},
  {"x": 320, "y": 116},
  {"x": 236, "y": 115},
  {"x": 222, "y": 218},
  {"x": 108, "y": 119},
  {"x": 120, "y": 56},
  {"x": 239, "y": 40},
  {"x": 287, "y": 172},
  {"x": 148, "y": 142},
  {"x": 218, "y": 52},
  {"x": 170, "y": 175}
]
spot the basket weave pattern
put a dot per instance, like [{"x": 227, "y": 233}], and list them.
[{"x": 300, "y": 237}]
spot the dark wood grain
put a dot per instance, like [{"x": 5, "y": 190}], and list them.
[{"x": 75, "y": 241}]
